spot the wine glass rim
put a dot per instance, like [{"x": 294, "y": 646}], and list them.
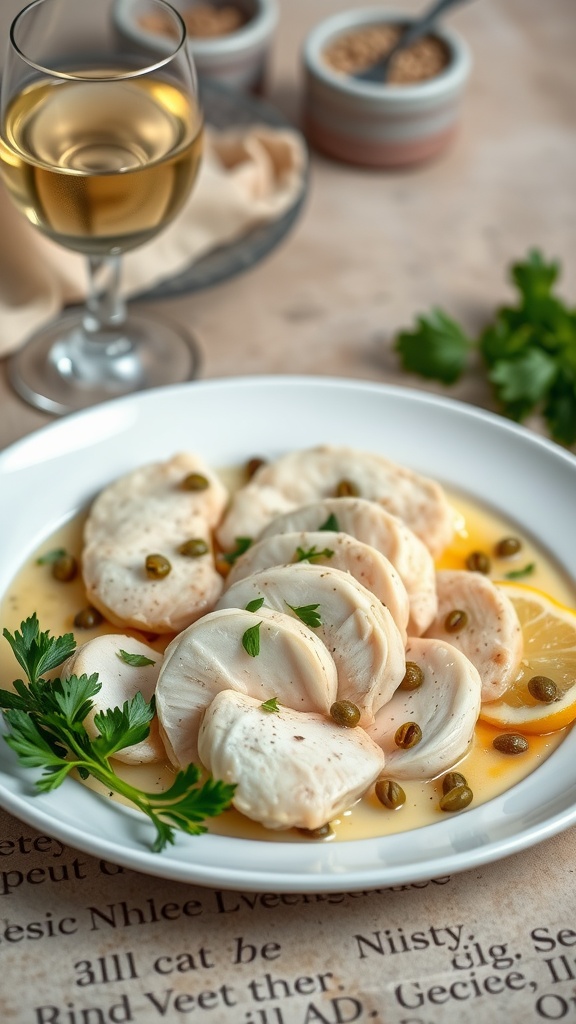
[{"x": 86, "y": 77}]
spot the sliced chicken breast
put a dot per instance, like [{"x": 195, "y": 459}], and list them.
[
  {"x": 338, "y": 550},
  {"x": 291, "y": 769},
  {"x": 292, "y": 665},
  {"x": 119, "y": 681},
  {"x": 370, "y": 523},
  {"x": 359, "y": 632},
  {"x": 150, "y": 512},
  {"x": 308, "y": 475},
  {"x": 490, "y": 634},
  {"x": 445, "y": 707}
]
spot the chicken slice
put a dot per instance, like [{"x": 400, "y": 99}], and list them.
[
  {"x": 292, "y": 665},
  {"x": 491, "y": 635},
  {"x": 338, "y": 550},
  {"x": 291, "y": 769},
  {"x": 119, "y": 682},
  {"x": 149, "y": 512},
  {"x": 304, "y": 476},
  {"x": 446, "y": 707},
  {"x": 359, "y": 632},
  {"x": 370, "y": 523}
]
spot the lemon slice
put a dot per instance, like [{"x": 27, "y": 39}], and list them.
[{"x": 549, "y": 630}]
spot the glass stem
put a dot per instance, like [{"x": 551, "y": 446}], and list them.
[{"x": 105, "y": 310}]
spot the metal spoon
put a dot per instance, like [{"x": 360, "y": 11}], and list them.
[{"x": 378, "y": 72}]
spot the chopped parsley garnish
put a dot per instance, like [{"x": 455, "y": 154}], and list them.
[
  {"x": 255, "y": 605},
  {"x": 312, "y": 553},
  {"x": 137, "y": 660},
  {"x": 518, "y": 574},
  {"x": 330, "y": 525},
  {"x": 251, "y": 640},
  {"x": 271, "y": 705},
  {"x": 308, "y": 613},
  {"x": 51, "y": 556},
  {"x": 242, "y": 545},
  {"x": 45, "y": 729}
]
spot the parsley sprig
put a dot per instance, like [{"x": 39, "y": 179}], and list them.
[
  {"x": 45, "y": 719},
  {"x": 529, "y": 350}
]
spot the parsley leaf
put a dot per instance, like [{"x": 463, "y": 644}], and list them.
[
  {"x": 308, "y": 613},
  {"x": 242, "y": 545},
  {"x": 518, "y": 574},
  {"x": 312, "y": 553},
  {"x": 255, "y": 605},
  {"x": 523, "y": 381},
  {"x": 271, "y": 705},
  {"x": 528, "y": 349},
  {"x": 122, "y": 727},
  {"x": 46, "y": 730},
  {"x": 330, "y": 525},
  {"x": 251, "y": 640},
  {"x": 438, "y": 348},
  {"x": 38, "y": 652},
  {"x": 137, "y": 660},
  {"x": 51, "y": 556}
]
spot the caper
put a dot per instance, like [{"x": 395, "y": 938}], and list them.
[
  {"x": 478, "y": 561},
  {"x": 65, "y": 568},
  {"x": 510, "y": 743},
  {"x": 390, "y": 794},
  {"x": 346, "y": 489},
  {"x": 253, "y": 465},
  {"x": 507, "y": 547},
  {"x": 456, "y": 799},
  {"x": 413, "y": 677},
  {"x": 193, "y": 548},
  {"x": 543, "y": 689},
  {"x": 408, "y": 735},
  {"x": 157, "y": 567},
  {"x": 345, "y": 713},
  {"x": 322, "y": 832},
  {"x": 456, "y": 620},
  {"x": 87, "y": 618},
  {"x": 452, "y": 780},
  {"x": 195, "y": 482}
]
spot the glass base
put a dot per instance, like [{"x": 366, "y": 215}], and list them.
[{"x": 61, "y": 369}]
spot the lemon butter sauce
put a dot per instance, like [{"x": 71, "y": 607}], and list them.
[{"x": 487, "y": 771}]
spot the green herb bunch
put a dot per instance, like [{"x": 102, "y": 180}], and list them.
[
  {"x": 529, "y": 350},
  {"x": 45, "y": 719}
]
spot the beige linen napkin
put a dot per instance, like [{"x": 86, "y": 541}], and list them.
[{"x": 248, "y": 177}]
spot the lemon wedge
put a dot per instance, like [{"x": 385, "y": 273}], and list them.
[{"x": 549, "y": 631}]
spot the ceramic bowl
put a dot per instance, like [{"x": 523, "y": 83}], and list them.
[
  {"x": 380, "y": 125},
  {"x": 237, "y": 60}
]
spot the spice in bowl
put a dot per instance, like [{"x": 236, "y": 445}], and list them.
[
  {"x": 356, "y": 51},
  {"x": 409, "y": 117},
  {"x": 203, "y": 21}
]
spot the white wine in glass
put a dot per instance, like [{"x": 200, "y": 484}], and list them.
[{"x": 100, "y": 145}]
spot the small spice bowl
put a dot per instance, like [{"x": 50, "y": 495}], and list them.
[
  {"x": 230, "y": 40},
  {"x": 388, "y": 124}
]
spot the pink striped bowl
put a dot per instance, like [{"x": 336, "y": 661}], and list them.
[
  {"x": 379, "y": 125},
  {"x": 237, "y": 60}
]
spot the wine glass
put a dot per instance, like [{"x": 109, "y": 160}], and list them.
[{"x": 100, "y": 144}]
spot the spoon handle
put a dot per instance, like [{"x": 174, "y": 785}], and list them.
[
  {"x": 378, "y": 72},
  {"x": 421, "y": 25}
]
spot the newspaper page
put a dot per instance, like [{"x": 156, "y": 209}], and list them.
[{"x": 86, "y": 941}]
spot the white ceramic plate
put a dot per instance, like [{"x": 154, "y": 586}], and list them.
[{"x": 54, "y": 472}]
